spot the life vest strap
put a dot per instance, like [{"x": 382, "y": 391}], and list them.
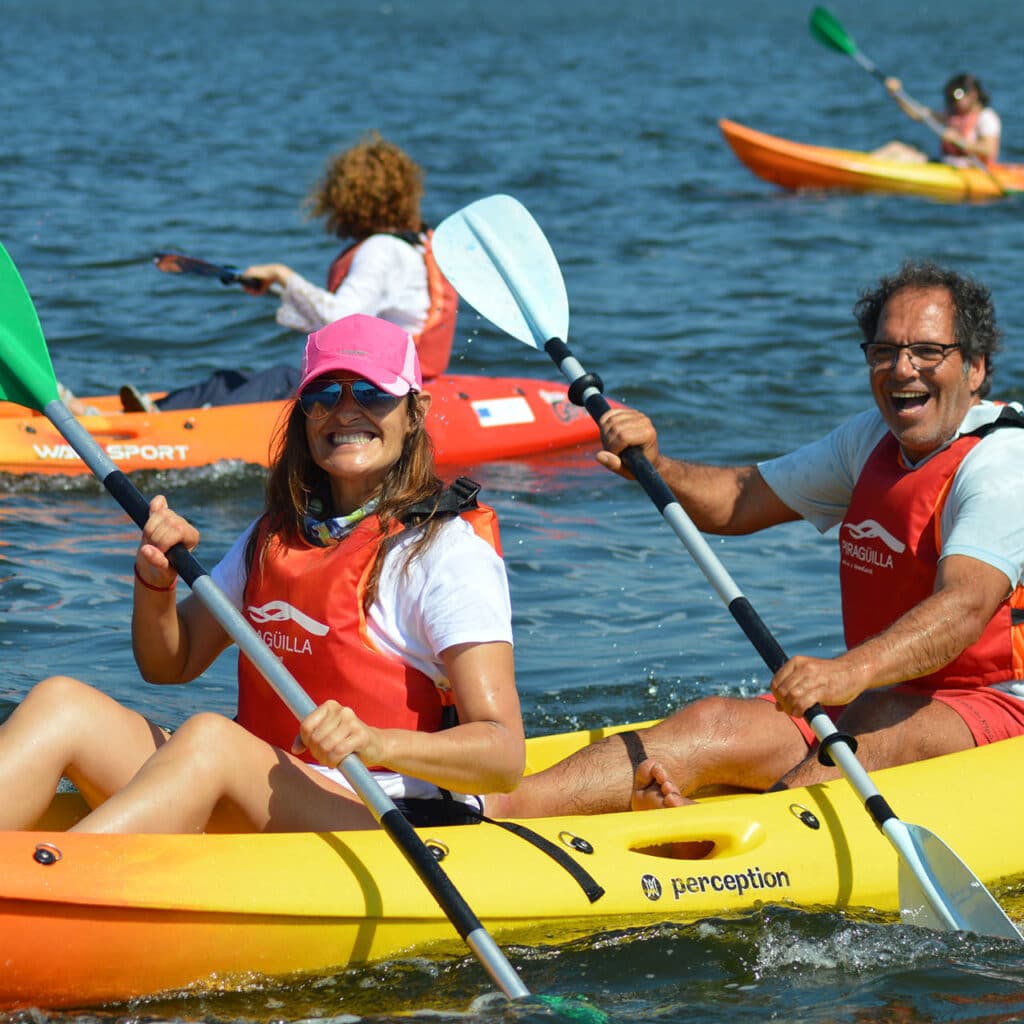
[{"x": 452, "y": 501}]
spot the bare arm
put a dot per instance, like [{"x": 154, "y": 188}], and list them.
[
  {"x": 173, "y": 642},
  {"x": 930, "y": 635},
  {"x": 719, "y": 499},
  {"x": 485, "y": 753},
  {"x": 914, "y": 110}
]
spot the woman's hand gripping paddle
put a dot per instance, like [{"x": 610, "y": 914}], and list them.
[
  {"x": 497, "y": 258},
  {"x": 830, "y": 33},
  {"x": 26, "y": 377}
]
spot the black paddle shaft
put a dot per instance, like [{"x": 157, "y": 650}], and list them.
[
  {"x": 178, "y": 263},
  {"x": 128, "y": 496}
]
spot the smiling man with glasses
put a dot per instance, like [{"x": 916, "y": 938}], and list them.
[{"x": 926, "y": 490}]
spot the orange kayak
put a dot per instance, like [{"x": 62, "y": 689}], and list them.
[
  {"x": 796, "y": 165},
  {"x": 472, "y": 419}
]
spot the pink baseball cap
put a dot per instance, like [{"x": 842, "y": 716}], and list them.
[{"x": 365, "y": 345}]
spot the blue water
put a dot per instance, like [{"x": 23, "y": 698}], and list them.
[{"x": 702, "y": 295}]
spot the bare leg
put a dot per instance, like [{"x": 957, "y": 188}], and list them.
[
  {"x": 213, "y": 774},
  {"x": 64, "y": 727},
  {"x": 891, "y": 729},
  {"x": 900, "y": 151},
  {"x": 717, "y": 740}
]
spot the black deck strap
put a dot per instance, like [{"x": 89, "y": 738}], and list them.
[
  {"x": 583, "y": 878},
  {"x": 455, "y": 499},
  {"x": 634, "y": 747},
  {"x": 837, "y": 737}
]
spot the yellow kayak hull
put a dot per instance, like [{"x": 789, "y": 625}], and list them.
[
  {"x": 796, "y": 165},
  {"x": 135, "y": 915}
]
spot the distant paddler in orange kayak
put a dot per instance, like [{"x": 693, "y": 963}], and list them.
[{"x": 971, "y": 128}]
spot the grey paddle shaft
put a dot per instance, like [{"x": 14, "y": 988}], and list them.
[
  {"x": 587, "y": 393},
  {"x": 585, "y": 390},
  {"x": 380, "y": 805}
]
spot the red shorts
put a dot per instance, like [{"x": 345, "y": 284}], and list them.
[{"x": 991, "y": 714}]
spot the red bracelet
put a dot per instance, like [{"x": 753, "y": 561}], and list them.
[{"x": 149, "y": 586}]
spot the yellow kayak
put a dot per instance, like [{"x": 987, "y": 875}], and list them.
[
  {"x": 87, "y": 920},
  {"x": 797, "y": 165}
]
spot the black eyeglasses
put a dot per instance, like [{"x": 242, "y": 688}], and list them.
[
  {"x": 318, "y": 402},
  {"x": 924, "y": 355}
]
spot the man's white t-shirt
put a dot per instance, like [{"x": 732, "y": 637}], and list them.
[{"x": 981, "y": 517}]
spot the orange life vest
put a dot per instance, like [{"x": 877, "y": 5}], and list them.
[
  {"x": 966, "y": 125},
  {"x": 307, "y": 604},
  {"x": 434, "y": 342},
  {"x": 889, "y": 555}
]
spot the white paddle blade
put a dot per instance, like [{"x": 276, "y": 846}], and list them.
[
  {"x": 964, "y": 898},
  {"x": 497, "y": 258}
]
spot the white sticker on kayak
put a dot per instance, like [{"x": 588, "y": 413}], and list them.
[
  {"x": 554, "y": 397},
  {"x": 503, "y": 412}
]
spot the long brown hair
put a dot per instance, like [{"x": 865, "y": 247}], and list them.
[{"x": 297, "y": 486}]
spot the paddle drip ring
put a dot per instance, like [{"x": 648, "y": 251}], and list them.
[
  {"x": 46, "y": 854},
  {"x": 583, "y": 384}
]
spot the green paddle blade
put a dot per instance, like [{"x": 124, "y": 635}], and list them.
[
  {"x": 26, "y": 373},
  {"x": 827, "y": 30}
]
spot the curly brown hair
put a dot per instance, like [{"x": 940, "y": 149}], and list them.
[
  {"x": 974, "y": 315},
  {"x": 296, "y": 484},
  {"x": 372, "y": 187}
]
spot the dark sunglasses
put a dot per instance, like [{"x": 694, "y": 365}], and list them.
[{"x": 318, "y": 401}]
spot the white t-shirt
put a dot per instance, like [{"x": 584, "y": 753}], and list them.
[
  {"x": 988, "y": 124},
  {"x": 387, "y": 279},
  {"x": 455, "y": 592},
  {"x": 981, "y": 517}
]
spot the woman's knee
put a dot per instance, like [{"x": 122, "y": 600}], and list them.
[
  {"x": 61, "y": 695},
  {"x": 205, "y": 731}
]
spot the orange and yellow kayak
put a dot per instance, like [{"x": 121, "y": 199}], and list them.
[
  {"x": 87, "y": 920},
  {"x": 796, "y": 165},
  {"x": 472, "y": 419}
]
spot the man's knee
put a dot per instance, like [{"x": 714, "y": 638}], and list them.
[{"x": 717, "y": 717}]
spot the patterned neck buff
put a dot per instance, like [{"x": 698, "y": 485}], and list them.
[{"x": 323, "y": 533}]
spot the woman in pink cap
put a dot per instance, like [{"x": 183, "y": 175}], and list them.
[{"x": 384, "y": 594}]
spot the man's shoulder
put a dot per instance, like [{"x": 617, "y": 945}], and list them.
[{"x": 986, "y": 413}]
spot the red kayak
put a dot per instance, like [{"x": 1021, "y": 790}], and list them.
[{"x": 472, "y": 419}]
